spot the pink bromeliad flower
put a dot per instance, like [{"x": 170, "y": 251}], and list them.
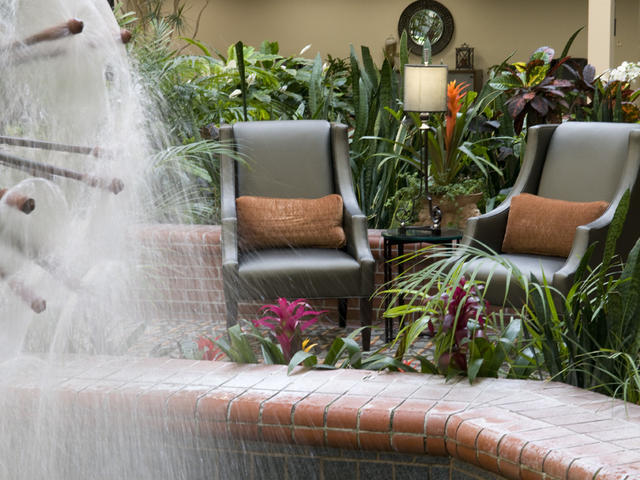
[{"x": 288, "y": 320}]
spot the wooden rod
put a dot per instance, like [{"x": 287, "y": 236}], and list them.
[
  {"x": 36, "y": 303},
  {"x": 37, "y": 169},
  {"x": 21, "y": 202},
  {"x": 58, "y": 147},
  {"x": 70, "y": 27},
  {"x": 125, "y": 35},
  {"x": 28, "y": 296}
]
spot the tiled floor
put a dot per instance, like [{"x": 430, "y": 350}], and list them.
[{"x": 517, "y": 429}]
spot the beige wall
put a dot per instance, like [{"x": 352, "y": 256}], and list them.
[
  {"x": 627, "y": 39},
  {"x": 495, "y": 28}
]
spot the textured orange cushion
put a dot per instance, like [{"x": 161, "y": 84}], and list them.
[
  {"x": 290, "y": 222},
  {"x": 544, "y": 226}
]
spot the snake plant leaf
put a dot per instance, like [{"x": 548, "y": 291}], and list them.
[
  {"x": 404, "y": 52},
  {"x": 372, "y": 75},
  {"x": 385, "y": 85},
  {"x": 567, "y": 47},
  {"x": 315, "y": 87},
  {"x": 615, "y": 230},
  {"x": 239, "y": 47}
]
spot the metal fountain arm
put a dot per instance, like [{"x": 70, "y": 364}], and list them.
[
  {"x": 58, "y": 147},
  {"x": 70, "y": 27},
  {"x": 37, "y": 169}
]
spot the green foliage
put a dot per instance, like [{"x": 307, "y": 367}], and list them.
[
  {"x": 346, "y": 353},
  {"x": 532, "y": 89},
  {"x": 237, "y": 346},
  {"x": 454, "y": 145},
  {"x": 380, "y": 135},
  {"x": 591, "y": 337},
  {"x": 467, "y": 340},
  {"x": 547, "y": 90},
  {"x": 205, "y": 89}
]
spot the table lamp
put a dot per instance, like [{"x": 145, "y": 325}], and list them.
[{"x": 425, "y": 92}]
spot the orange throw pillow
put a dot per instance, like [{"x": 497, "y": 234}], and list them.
[
  {"x": 544, "y": 226},
  {"x": 290, "y": 222}
]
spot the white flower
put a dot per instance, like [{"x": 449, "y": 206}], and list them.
[
  {"x": 235, "y": 93},
  {"x": 251, "y": 79},
  {"x": 625, "y": 72}
]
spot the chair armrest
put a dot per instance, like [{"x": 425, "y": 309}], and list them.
[
  {"x": 354, "y": 221},
  {"x": 229, "y": 220},
  {"x": 488, "y": 230}
]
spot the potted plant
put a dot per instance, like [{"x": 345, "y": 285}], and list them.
[{"x": 459, "y": 142}]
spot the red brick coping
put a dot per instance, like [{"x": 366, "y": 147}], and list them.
[{"x": 517, "y": 429}]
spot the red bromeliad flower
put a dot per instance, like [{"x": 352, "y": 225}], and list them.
[
  {"x": 209, "y": 350},
  {"x": 286, "y": 321},
  {"x": 454, "y": 103},
  {"x": 463, "y": 303}
]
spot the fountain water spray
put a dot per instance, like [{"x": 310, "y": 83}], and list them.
[{"x": 73, "y": 134}]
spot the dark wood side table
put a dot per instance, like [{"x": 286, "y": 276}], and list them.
[{"x": 401, "y": 238}]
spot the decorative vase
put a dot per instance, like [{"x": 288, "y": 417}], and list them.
[{"x": 455, "y": 212}]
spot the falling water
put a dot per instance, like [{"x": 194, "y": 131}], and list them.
[
  {"x": 75, "y": 90},
  {"x": 67, "y": 268}
]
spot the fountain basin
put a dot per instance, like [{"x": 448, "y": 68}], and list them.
[{"x": 195, "y": 412}]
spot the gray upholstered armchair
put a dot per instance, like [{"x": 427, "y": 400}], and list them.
[
  {"x": 293, "y": 159},
  {"x": 577, "y": 162}
]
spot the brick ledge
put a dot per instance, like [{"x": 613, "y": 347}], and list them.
[{"x": 517, "y": 429}]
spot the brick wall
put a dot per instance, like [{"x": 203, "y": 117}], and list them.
[{"x": 182, "y": 275}]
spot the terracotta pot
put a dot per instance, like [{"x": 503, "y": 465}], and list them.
[{"x": 454, "y": 212}]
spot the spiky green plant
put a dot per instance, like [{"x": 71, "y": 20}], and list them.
[{"x": 591, "y": 337}]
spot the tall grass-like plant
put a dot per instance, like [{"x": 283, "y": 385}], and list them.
[
  {"x": 591, "y": 337},
  {"x": 379, "y": 132}
]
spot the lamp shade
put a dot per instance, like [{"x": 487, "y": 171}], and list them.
[{"x": 425, "y": 88}]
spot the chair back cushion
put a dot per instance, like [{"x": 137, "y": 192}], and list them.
[
  {"x": 266, "y": 222},
  {"x": 584, "y": 161},
  {"x": 543, "y": 226},
  {"x": 284, "y": 158}
]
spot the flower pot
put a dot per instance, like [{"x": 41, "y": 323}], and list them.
[{"x": 455, "y": 212}]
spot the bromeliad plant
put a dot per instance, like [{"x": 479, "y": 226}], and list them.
[
  {"x": 287, "y": 321},
  {"x": 453, "y": 143},
  {"x": 467, "y": 339}
]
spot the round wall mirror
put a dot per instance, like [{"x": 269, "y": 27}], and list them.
[{"x": 426, "y": 19}]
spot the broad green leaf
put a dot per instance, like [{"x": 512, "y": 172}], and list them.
[
  {"x": 299, "y": 357},
  {"x": 506, "y": 81},
  {"x": 473, "y": 368}
]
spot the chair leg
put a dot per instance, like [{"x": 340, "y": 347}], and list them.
[
  {"x": 366, "y": 316},
  {"x": 232, "y": 311},
  {"x": 342, "y": 312}
]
